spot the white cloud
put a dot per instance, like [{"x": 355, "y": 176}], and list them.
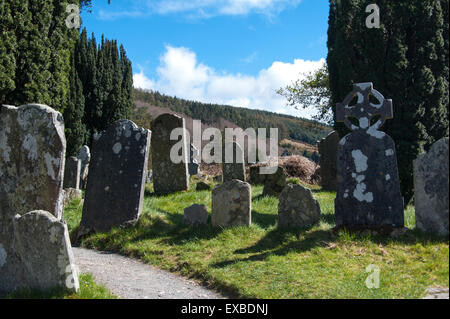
[
  {"x": 180, "y": 74},
  {"x": 200, "y": 8}
]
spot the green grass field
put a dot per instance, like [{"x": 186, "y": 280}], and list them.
[{"x": 263, "y": 262}]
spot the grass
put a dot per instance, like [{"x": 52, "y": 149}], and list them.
[
  {"x": 88, "y": 290},
  {"x": 262, "y": 261}
]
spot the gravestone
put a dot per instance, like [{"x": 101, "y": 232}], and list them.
[
  {"x": 431, "y": 189},
  {"x": 84, "y": 155},
  {"x": 168, "y": 177},
  {"x": 275, "y": 183},
  {"x": 233, "y": 166},
  {"x": 297, "y": 207},
  {"x": 72, "y": 173},
  {"x": 202, "y": 186},
  {"x": 368, "y": 192},
  {"x": 32, "y": 155},
  {"x": 71, "y": 194},
  {"x": 150, "y": 176},
  {"x": 193, "y": 165},
  {"x": 117, "y": 176},
  {"x": 195, "y": 215},
  {"x": 255, "y": 178},
  {"x": 328, "y": 148},
  {"x": 231, "y": 204}
]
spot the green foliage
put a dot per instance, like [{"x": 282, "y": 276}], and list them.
[
  {"x": 407, "y": 61},
  {"x": 312, "y": 91},
  {"x": 308, "y": 131}
]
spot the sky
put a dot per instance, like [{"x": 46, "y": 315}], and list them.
[{"x": 234, "y": 52}]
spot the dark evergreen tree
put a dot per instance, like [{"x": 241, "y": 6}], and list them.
[{"x": 406, "y": 59}]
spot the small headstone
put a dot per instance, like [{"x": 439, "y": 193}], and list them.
[
  {"x": 71, "y": 194},
  {"x": 231, "y": 204},
  {"x": 168, "y": 177},
  {"x": 275, "y": 183},
  {"x": 72, "y": 173},
  {"x": 195, "y": 215},
  {"x": 233, "y": 167},
  {"x": 117, "y": 175},
  {"x": 328, "y": 148},
  {"x": 32, "y": 155},
  {"x": 255, "y": 177},
  {"x": 193, "y": 165},
  {"x": 368, "y": 192},
  {"x": 202, "y": 186},
  {"x": 431, "y": 189},
  {"x": 297, "y": 207},
  {"x": 42, "y": 245},
  {"x": 84, "y": 155}
]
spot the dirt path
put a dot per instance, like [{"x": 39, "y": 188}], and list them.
[{"x": 131, "y": 279}]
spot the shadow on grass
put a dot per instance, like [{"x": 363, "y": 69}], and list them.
[{"x": 264, "y": 220}]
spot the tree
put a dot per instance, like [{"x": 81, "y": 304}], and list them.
[
  {"x": 406, "y": 59},
  {"x": 312, "y": 91}
]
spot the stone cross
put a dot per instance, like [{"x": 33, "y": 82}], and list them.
[{"x": 368, "y": 192}]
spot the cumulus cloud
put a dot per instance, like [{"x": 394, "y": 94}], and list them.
[
  {"x": 181, "y": 74},
  {"x": 200, "y": 8}
]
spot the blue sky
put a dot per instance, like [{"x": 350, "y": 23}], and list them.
[{"x": 236, "y": 52}]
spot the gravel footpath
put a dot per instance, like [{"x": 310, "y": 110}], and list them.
[{"x": 132, "y": 279}]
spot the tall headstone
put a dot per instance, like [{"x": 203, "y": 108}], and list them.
[
  {"x": 231, "y": 204},
  {"x": 368, "y": 192},
  {"x": 193, "y": 165},
  {"x": 233, "y": 165},
  {"x": 328, "y": 148},
  {"x": 84, "y": 155},
  {"x": 32, "y": 155},
  {"x": 72, "y": 171},
  {"x": 168, "y": 177},
  {"x": 117, "y": 178},
  {"x": 431, "y": 189}
]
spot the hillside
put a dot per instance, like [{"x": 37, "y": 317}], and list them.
[{"x": 221, "y": 116}]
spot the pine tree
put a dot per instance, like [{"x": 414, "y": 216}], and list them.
[{"x": 406, "y": 59}]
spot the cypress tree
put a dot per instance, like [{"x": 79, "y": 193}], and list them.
[{"x": 406, "y": 59}]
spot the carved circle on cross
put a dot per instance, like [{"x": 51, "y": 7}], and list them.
[{"x": 364, "y": 110}]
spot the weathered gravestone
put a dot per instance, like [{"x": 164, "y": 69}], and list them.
[
  {"x": 255, "y": 178},
  {"x": 193, "y": 165},
  {"x": 275, "y": 183},
  {"x": 32, "y": 154},
  {"x": 431, "y": 189},
  {"x": 71, "y": 194},
  {"x": 297, "y": 207},
  {"x": 117, "y": 176},
  {"x": 168, "y": 176},
  {"x": 233, "y": 166},
  {"x": 231, "y": 204},
  {"x": 368, "y": 192},
  {"x": 195, "y": 215},
  {"x": 328, "y": 148},
  {"x": 72, "y": 173},
  {"x": 84, "y": 155}
]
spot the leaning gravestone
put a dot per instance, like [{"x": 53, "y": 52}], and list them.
[
  {"x": 231, "y": 204},
  {"x": 233, "y": 165},
  {"x": 193, "y": 165},
  {"x": 368, "y": 192},
  {"x": 431, "y": 189},
  {"x": 297, "y": 207},
  {"x": 328, "y": 148},
  {"x": 84, "y": 155},
  {"x": 168, "y": 177},
  {"x": 32, "y": 154},
  {"x": 117, "y": 176},
  {"x": 275, "y": 183},
  {"x": 72, "y": 173}
]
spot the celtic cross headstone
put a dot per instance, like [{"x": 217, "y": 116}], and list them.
[{"x": 368, "y": 183}]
